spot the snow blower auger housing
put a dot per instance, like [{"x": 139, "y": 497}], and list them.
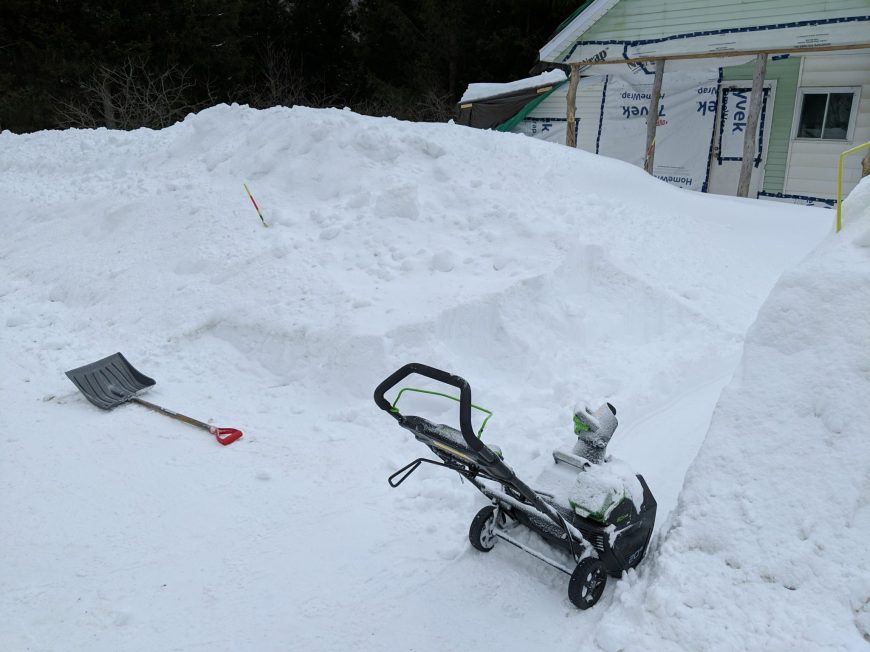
[{"x": 599, "y": 519}]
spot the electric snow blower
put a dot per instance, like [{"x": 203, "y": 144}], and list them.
[{"x": 598, "y": 513}]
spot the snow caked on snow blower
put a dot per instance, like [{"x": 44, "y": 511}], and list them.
[{"x": 597, "y": 510}]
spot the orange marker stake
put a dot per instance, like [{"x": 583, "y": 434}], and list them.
[{"x": 254, "y": 202}]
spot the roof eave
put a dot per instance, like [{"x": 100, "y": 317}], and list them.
[{"x": 581, "y": 23}]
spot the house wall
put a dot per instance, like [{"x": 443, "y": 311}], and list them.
[
  {"x": 632, "y": 20},
  {"x": 786, "y": 73},
  {"x": 812, "y": 164},
  {"x": 793, "y": 167},
  {"x": 588, "y": 109},
  {"x": 643, "y": 30}
]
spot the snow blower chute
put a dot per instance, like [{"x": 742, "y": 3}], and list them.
[{"x": 598, "y": 513}]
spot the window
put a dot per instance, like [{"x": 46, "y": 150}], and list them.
[{"x": 826, "y": 114}]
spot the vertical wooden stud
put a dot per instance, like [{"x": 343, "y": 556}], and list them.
[
  {"x": 570, "y": 136},
  {"x": 653, "y": 116},
  {"x": 752, "y": 126}
]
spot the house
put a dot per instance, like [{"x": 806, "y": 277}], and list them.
[{"x": 750, "y": 97}]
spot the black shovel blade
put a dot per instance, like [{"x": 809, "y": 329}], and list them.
[{"x": 109, "y": 382}]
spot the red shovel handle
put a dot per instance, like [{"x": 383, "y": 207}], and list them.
[{"x": 225, "y": 436}]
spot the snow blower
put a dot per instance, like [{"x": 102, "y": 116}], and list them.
[{"x": 594, "y": 509}]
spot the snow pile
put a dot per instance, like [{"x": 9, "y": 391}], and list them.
[
  {"x": 540, "y": 274},
  {"x": 768, "y": 548}
]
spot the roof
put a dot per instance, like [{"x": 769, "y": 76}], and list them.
[
  {"x": 500, "y": 106},
  {"x": 609, "y": 31},
  {"x": 573, "y": 27},
  {"x": 480, "y": 91}
]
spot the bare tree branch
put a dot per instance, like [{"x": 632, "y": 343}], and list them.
[{"x": 129, "y": 96}]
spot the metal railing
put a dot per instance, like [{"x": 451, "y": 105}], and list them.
[{"x": 857, "y": 148}]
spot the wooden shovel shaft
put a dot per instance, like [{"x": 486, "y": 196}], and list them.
[
  {"x": 224, "y": 436},
  {"x": 170, "y": 413}
]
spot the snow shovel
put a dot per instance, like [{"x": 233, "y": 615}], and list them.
[{"x": 109, "y": 382}]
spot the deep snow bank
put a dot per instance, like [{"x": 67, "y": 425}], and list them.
[
  {"x": 380, "y": 226},
  {"x": 769, "y": 544},
  {"x": 543, "y": 275}
]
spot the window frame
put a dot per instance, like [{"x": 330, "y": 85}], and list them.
[{"x": 802, "y": 91}]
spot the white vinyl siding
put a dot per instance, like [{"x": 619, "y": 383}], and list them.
[
  {"x": 812, "y": 164},
  {"x": 648, "y": 19},
  {"x": 707, "y": 26}
]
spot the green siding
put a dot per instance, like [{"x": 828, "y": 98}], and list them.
[
  {"x": 786, "y": 73},
  {"x": 632, "y": 20}
]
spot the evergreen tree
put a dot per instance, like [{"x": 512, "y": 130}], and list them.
[{"x": 129, "y": 63}]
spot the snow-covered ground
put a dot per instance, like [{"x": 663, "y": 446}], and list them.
[
  {"x": 768, "y": 548},
  {"x": 542, "y": 275}
]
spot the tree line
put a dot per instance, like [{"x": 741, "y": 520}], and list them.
[{"x": 126, "y": 64}]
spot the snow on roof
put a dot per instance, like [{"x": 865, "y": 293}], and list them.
[
  {"x": 580, "y": 23},
  {"x": 483, "y": 90}
]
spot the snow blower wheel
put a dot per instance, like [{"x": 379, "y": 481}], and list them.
[
  {"x": 481, "y": 532},
  {"x": 587, "y": 583},
  {"x": 595, "y": 511}
]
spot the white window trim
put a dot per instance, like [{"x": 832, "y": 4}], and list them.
[{"x": 816, "y": 90}]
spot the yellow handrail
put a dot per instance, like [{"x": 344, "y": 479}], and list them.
[{"x": 857, "y": 148}]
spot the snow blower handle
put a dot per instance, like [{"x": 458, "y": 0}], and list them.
[
  {"x": 493, "y": 464},
  {"x": 441, "y": 376}
]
